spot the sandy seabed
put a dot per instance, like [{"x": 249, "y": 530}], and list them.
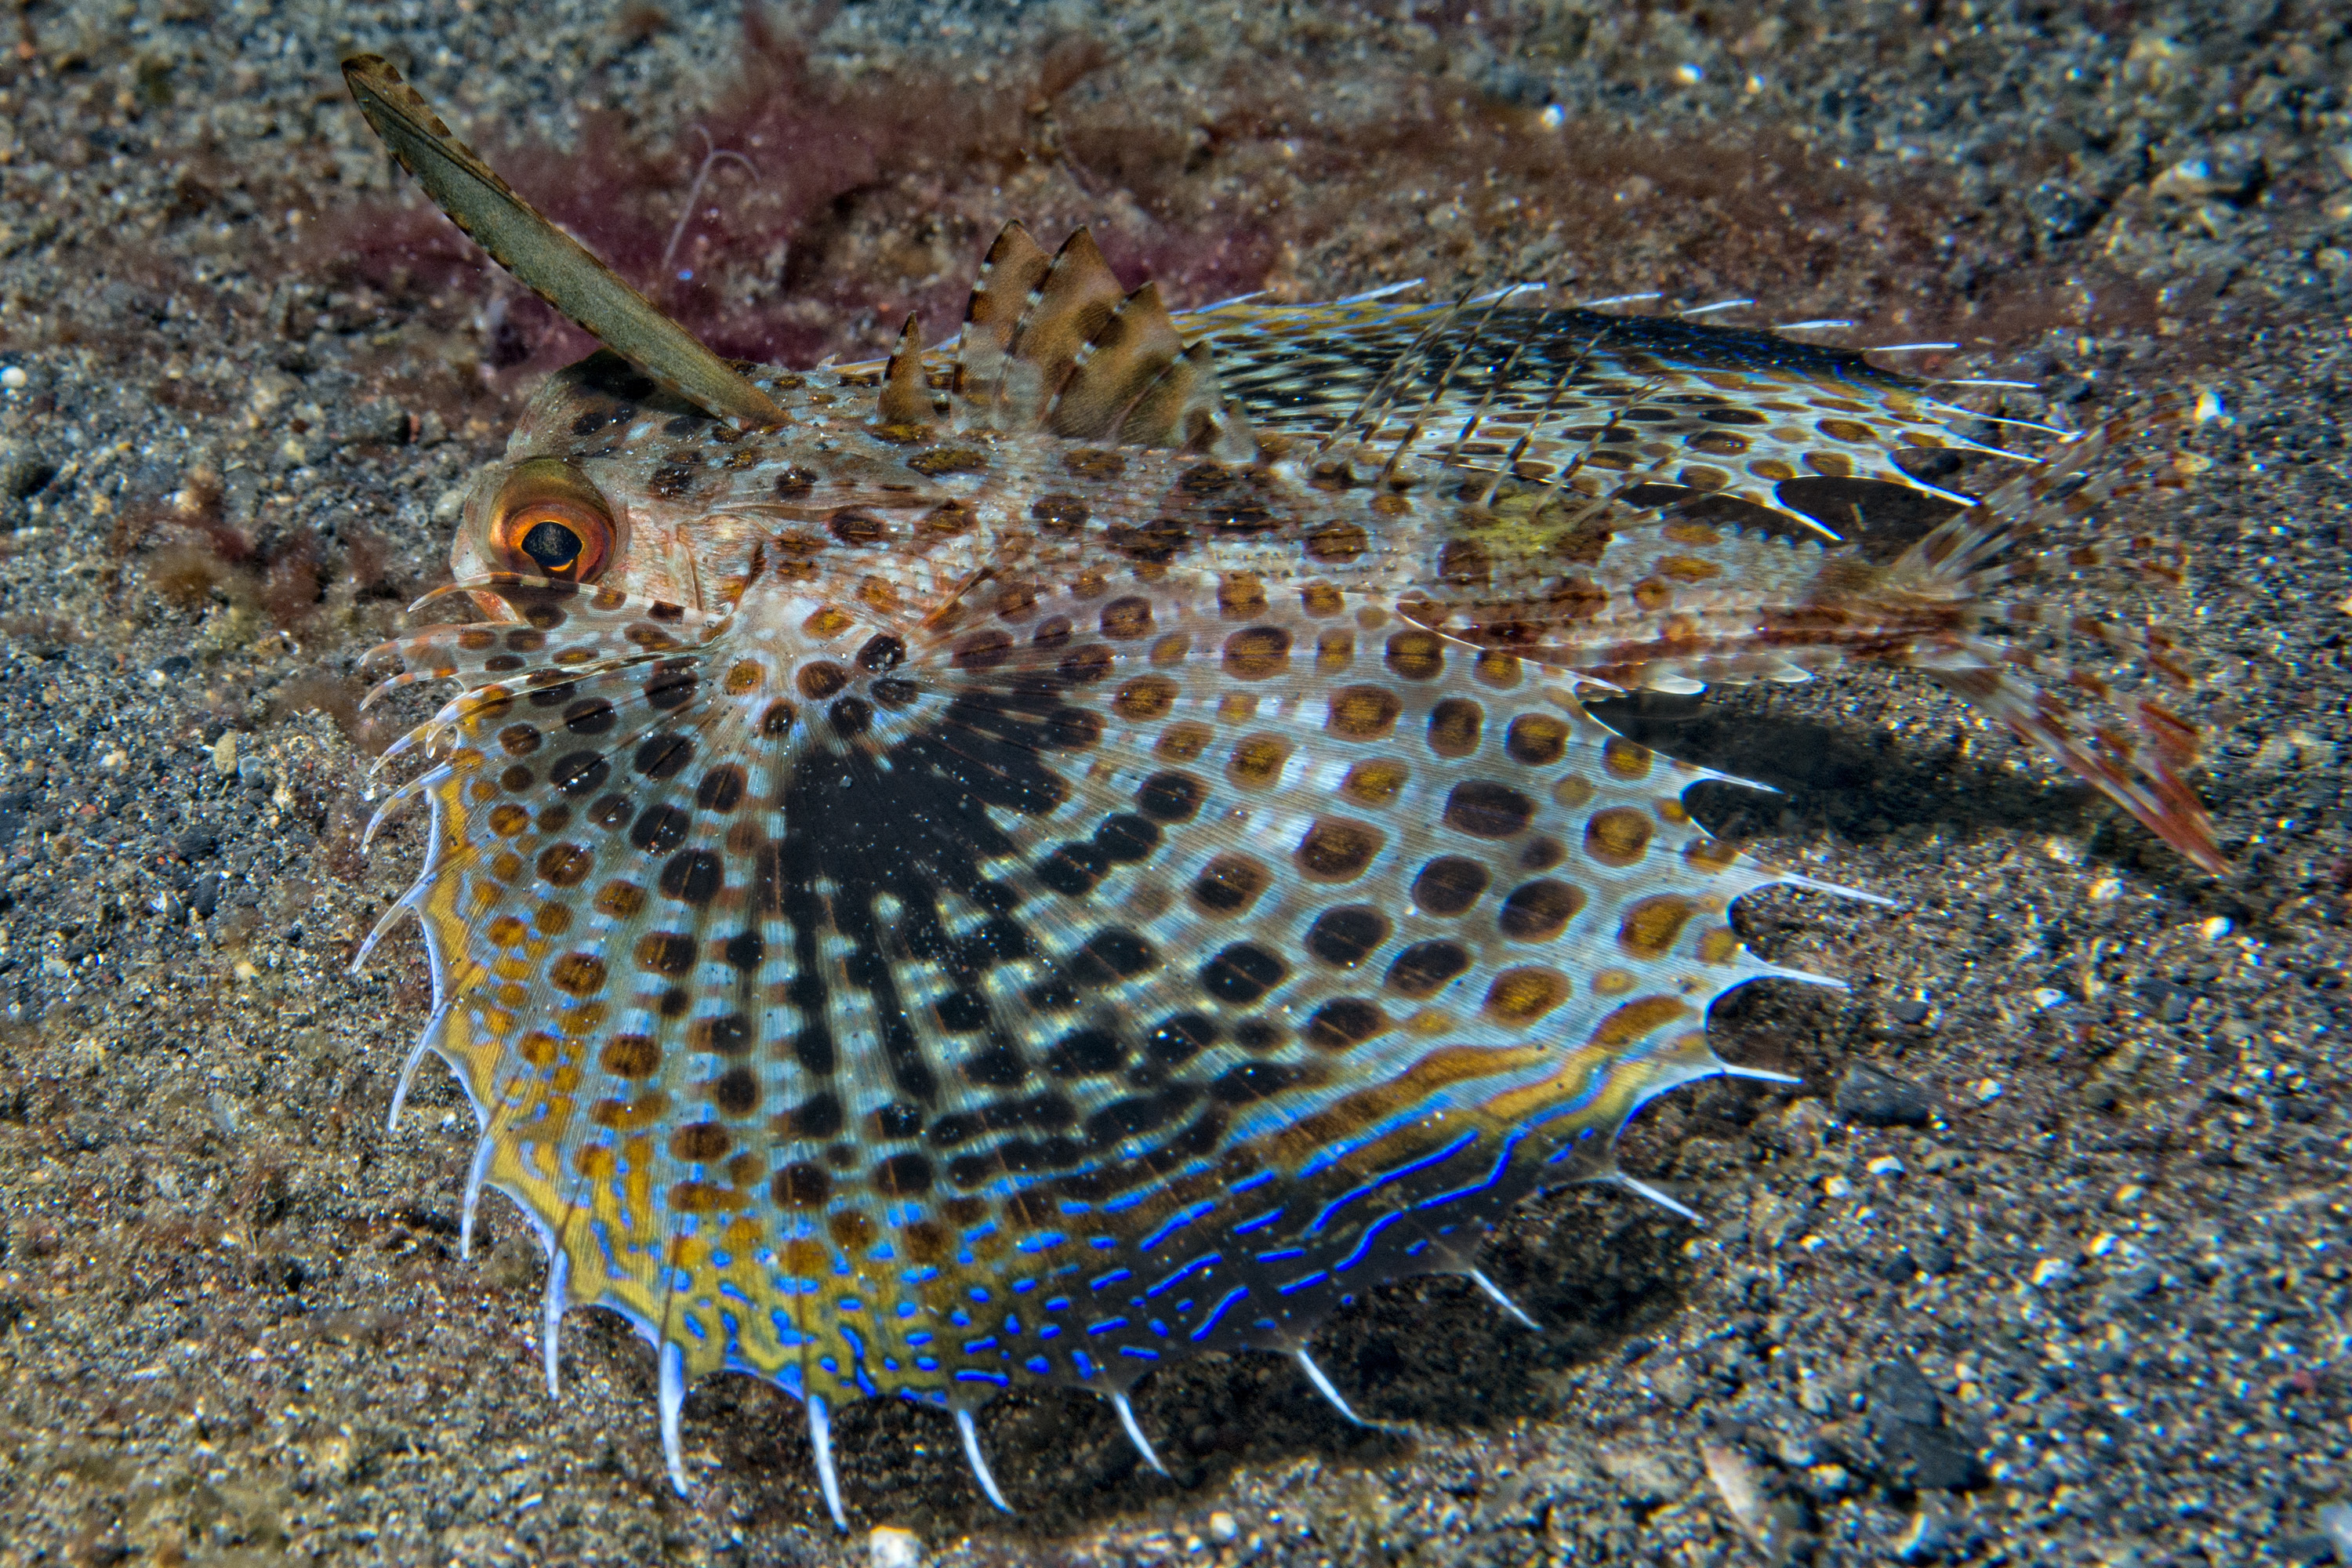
[{"x": 2045, "y": 1260}]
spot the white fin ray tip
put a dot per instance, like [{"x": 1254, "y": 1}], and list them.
[
  {"x": 475, "y": 1174},
  {"x": 407, "y": 1080},
  {"x": 1478, "y": 1275},
  {"x": 979, "y": 1461},
  {"x": 828, "y": 1480},
  {"x": 672, "y": 1395},
  {"x": 1323, "y": 1386},
  {"x": 1135, "y": 1432},
  {"x": 1663, "y": 1199},
  {"x": 550, "y": 1313}
]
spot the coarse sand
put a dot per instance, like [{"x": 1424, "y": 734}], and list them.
[{"x": 2044, "y": 1262}]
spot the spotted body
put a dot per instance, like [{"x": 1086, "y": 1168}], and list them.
[{"x": 1053, "y": 857}]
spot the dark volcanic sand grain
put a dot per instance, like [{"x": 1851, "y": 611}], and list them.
[{"x": 2061, "y": 1280}]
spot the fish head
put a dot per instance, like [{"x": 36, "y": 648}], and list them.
[{"x": 612, "y": 482}]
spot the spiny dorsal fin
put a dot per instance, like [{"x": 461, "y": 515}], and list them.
[
  {"x": 557, "y": 268},
  {"x": 1077, "y": 297},
  {"x": 905, "y": 396},
  {"x": 1185, "y": 407},
  {"x": 1135, "y": 347},
  {"x": 1008, "y": 279}
]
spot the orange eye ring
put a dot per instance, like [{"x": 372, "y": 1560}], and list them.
[{"x": 549, "y": 521}]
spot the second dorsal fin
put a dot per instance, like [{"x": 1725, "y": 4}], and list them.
[
  {"x": 1185, "y": 407},
  {"x": 1008, "y": 279},
  {"x": 1076, "y": 298},
  {"x": 1053, "y": 344},
  {"x": 1126, "y": 357}
]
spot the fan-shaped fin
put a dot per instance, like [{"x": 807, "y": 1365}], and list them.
[
  {"x": 1132, "y": 351},
  {"x": 905, "y": 397}
]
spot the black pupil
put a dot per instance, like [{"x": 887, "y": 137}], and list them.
[{"x": 553, "y": 545}]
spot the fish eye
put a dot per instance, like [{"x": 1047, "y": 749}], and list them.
[
  {"x": 549, "y": 521},
  {"x": 554, "y": 545}
]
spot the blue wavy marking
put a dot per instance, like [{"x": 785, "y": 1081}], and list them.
[
  {"x": 1205, "y": 1260},
  {"x": 998, "y": 1378},
  {"x": 1177, "y": 1222},
  {"x": 1138, "y": 1353},
  {"x": 1237, "y": 1293},
  {"x": 1436, "y": 1157},
  {"x": 1364, "y": 1242},
  {"x": 1302, "y": 1282}
]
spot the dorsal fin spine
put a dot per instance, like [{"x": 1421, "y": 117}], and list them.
[{"x": 905, "y": 396}]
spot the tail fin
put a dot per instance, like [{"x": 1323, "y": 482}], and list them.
[{"x": 2066, "y": 649}]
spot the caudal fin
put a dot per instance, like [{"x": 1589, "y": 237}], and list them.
[{"x": 2067, "y": 649}]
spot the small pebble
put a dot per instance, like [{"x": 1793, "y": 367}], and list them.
[
  {"x": 888, "y": 1546},
  {"x": 1223, "y": 1527},
  {"x": 14, "y": 378},
  {"x": 1875, "y": 1098}
]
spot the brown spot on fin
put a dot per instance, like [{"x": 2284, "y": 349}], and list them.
[
  {"x": 1008, "y": 279},
  {"x": 905, "y": 397},
  {"x": 1133, "y": 350}
]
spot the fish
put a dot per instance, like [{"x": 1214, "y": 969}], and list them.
[{"x": 1051, "y": 853}]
